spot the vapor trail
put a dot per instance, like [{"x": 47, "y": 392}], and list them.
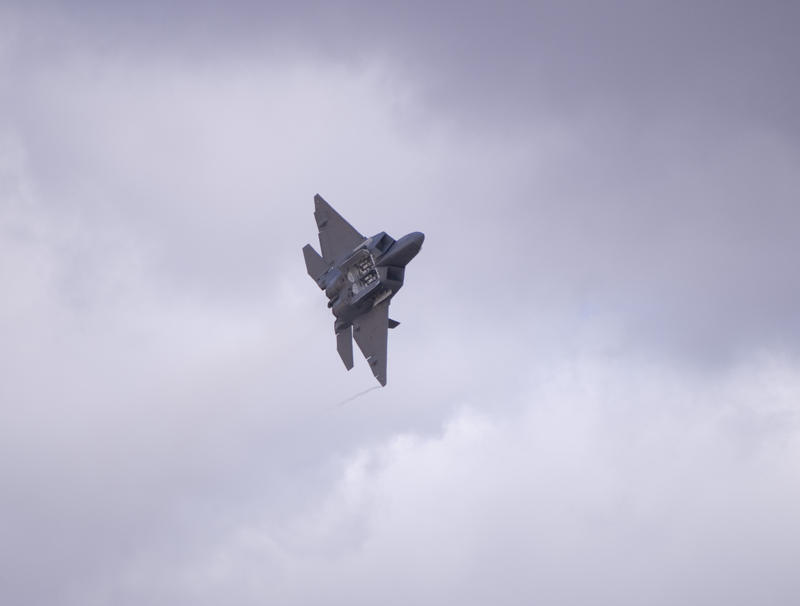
[{"x": 358, "y": 395}]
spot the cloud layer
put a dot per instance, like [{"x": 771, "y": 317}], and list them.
[{"x": 593, "y": 393}]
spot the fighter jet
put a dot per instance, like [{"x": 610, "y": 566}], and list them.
[{"x": 359, "y": 276}]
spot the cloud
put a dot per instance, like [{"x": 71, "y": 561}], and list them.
[
  {"x": 592, "y": 393},
  {"x": 632, "y": 163},
  {"x": 615, "y": 481}
]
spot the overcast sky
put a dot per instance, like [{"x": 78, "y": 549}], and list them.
[{"x": 594, "y": 392}]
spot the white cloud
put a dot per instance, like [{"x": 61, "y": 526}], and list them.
[
  {"x": 168, "y": 381},
  {"x": 616, "y": 482}
]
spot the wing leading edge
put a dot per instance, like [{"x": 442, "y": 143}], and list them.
[
  {"x": 336, "y": 236},
  {"x": 371, "y": 331}
]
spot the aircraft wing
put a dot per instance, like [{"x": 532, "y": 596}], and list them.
[
  {"x": 336, "y": 236},
  {"x": 370, "y": 331}
]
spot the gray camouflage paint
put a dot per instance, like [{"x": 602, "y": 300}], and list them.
[{"x": 359, "y": 276}]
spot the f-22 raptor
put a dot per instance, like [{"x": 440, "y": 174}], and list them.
[{"x": 359, "y": 276}]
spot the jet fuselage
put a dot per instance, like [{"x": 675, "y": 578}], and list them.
[
  {"x": 359, "y": 276},
  {"x": 373, "y": 273}
]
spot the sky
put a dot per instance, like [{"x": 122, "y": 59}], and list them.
[{"x": 594, "y": 393}]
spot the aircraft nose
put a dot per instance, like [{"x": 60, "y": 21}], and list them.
[
  {"x": 405, "y": 249},
  {"x": 414, "y": 242},
  {"x": 418, "y": 237}
]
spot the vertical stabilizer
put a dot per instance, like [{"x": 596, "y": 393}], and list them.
[{"x": 315, "y": 265}]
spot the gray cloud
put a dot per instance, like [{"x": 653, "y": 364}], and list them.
[
  {"x": 593, "y": 389},
  {"x": 653, "y": 146}
]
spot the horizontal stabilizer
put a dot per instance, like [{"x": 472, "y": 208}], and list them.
[
  {"x": 370, "y": 330},
  {"x": 315, "y": 265},
  {"x": 393, "y": 323},
  {"x": 344, "y": 345}
]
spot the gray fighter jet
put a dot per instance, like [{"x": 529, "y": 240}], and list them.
[{"x": 359, "y": 276}]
